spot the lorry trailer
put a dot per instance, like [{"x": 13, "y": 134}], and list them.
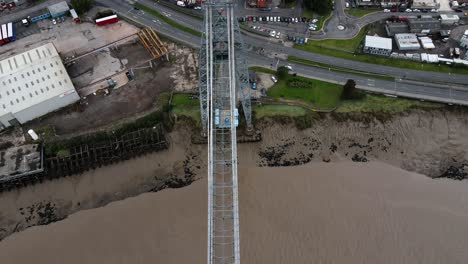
[{"x": 107, "y": 20}]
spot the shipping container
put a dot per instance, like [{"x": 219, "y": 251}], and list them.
[
  {"x": 11, "y": 32},
  {"x": 1, "y": 36},
  {"x": 107, "y": 20},
  {"x": 5, "y": 33}
]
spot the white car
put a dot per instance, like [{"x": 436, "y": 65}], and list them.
[
  {"x": 313, "y": 28},
  {"x": 54, "y": 21},
  {"x": 386, "y": 10},
  {"x": 289, "y": 67},
  {"x": 347, "y": 5},
  {"x": 315, "y": 20},
  {"x": 197, "y": 8},
  {"x": 296, "y": 20},
  {"x": 416, "y": 10},
  {"x": 273, "y": 78},
  {"x": 272, "y": 33},
  {"x": 278, "y": 19},
  {"x": 433, "y": 11},
  {"x": 408, "y": 10},
  {"x": 278, "y": 35}
]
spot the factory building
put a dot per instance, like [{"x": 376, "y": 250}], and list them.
[
  {"x": 393, "y": 28},
  {"x": 424, "y": 25},
  {"x": 378, "y": 46},
  {"x": 59, "y": 9},
  {"x": 407, "y": 42},
  {"x": 33, "y": 84}
]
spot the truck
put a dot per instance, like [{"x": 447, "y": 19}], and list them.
[
  {"x": 7, "y": 33},
  {"x": 11, "y": 32},
  {"x": 74, "y": 15},
  {"x": 107, "y": 20}
]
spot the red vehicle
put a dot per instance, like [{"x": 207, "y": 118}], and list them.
[{"x": 107, "y": 20}]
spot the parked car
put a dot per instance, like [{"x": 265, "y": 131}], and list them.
[
  {"x": 254, "y": 86},
  {"x": 273, "y": 78},
  {"x": 416, "y": 10},
  {"x": 272, "y": 33},
  {"x": 408, "y": 10},
  {"x": 433, "y": 10},
  {"x": 315, "y": 20},
  {"x": 278, "y": 35},
  {"x": 197, "y": 8},
  {"x": 278, "y": 19},
  {"x": 54, "y": 21},
  {"x": 296, "y": 20},
  {"x": 386, "y": 10}
]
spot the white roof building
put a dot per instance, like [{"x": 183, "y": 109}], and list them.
[
  {"x": 407, "y": 41},
  {"x": 32, "y": 84},
  {"x": 378, "y": 46}
]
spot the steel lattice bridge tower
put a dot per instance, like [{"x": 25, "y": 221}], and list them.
[{"x": 223, "y": 82}]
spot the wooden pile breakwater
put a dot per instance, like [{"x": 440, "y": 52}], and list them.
[{"x": 78, "y": 158}]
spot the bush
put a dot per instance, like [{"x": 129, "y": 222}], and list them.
[{"x": 282, "y": 73}]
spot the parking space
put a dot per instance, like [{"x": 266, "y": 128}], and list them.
[
  {"x": 280, "y": 27},
  {"x": 25, "y": 31}
]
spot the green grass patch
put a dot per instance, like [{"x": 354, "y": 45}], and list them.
[
  {"x": 270, "y": 110},
  {"x": 168, "y": 20},
  {"x": 183, "y": 105},
  {"x": 319, "y": 94},
  {"x": 379, "y": 103},
  {"x": 339, "y": 69},
  {"x": 359, "y": 12}
]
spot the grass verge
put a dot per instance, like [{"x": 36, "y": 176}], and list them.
[
  {"x": 184, "y": 105},
  {"x": 320, "y": 95},
  {"x": 339, "y": 69},
  {"x": 270, "y": 110},
  {"x": 168, "y": 20},
  {"x": 358, "y": 12}
]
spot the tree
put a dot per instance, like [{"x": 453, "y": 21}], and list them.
[
  {"x": 321, "y": 7},
  {"x": 349, "y": 90},
  {"x": 81, "y": 6},
  {"x": 282, "y": 72}
]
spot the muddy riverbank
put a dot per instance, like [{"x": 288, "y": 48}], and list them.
[{"x": 432, "y": 143}]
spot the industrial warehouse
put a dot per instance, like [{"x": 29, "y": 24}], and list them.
[{"x": 34, "y": 83}]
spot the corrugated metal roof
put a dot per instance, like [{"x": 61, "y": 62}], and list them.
[
  {"x": 58, "y": 8},
  {"x": 32, "y": 77}
]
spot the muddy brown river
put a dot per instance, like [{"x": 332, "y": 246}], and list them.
[{"x": 340, "y": 212}]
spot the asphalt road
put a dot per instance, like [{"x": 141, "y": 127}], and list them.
[
  {"x": 425, "y": 91},
  {"x": 261, "y": 42}
]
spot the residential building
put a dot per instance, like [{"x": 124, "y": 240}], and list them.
[{"x": 378, "y": 46}]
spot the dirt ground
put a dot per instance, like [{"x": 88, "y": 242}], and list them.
[
  {"x": 100, "y": 110},
  {"x": 131, "y": 100}
]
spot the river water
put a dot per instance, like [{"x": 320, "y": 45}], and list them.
[{"x": 340, "y": 212}]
